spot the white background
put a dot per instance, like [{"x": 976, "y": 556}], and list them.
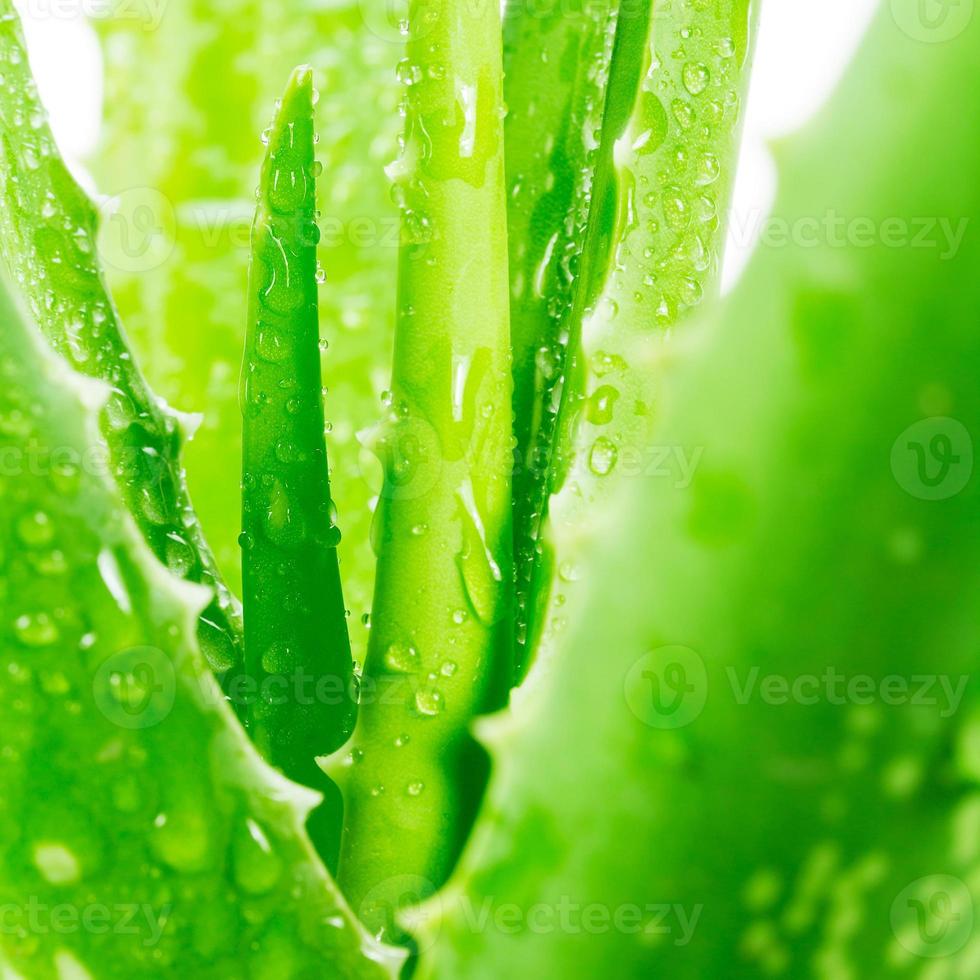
[{"x": 803, "y": 48}]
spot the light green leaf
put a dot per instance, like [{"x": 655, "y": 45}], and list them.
[
  {"x": 140, "y": 834},
  {"x": 641, "y": 253},
  {"x": 185, "y": 104},
  {"x": 47, "y": 242},
  {"x": 440, "y": 644},
  {"x": 759, "y": 754}
]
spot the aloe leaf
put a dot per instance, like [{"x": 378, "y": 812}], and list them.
[
  {"x": 439, "y": 650},
  {"x": 759, "y": 817},
  {"x": 140, "y": 833},
  {"x": 656, "y": 185},
  {"x": 47, "y": 242},
  {"x": 185, "y": 149},
  {"x": 297, "y": 651},
  {"x": 556, "y": 70}
]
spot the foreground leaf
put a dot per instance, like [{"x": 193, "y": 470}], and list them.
[
  {"x": 47, "y": 241},
  {"x": 439, "y": 650},
  {"x": 757, "y": 816},
  {"x": 140, "y": 834},
  {"x": 300, "y": 690}
]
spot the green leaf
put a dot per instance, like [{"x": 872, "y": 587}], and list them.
[
  {"x": 648, "y": 175},
  {"x": 297, "y": 651},
  {"x": 693, "y": 790},
  {"x": 140, "y": 834},
  {"x": 439, "y": 650},
  {"x": 556, "y": 72},
  {"x": 185, "y": 104},
  {"x": 47, "y": 242}
]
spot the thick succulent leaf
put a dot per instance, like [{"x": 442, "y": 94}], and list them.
[
  {"x": 649, "y": 252},
  {"x": 768, "y": 689},
  {"x": 181, "y": 155},
  {"x": 556, "y": 72},
  {"x": 300, "y": 677},
  {"x": 440, "y": 647},
  {"x": 140, "y": 834},
  {"x": 47, "y": 242}
]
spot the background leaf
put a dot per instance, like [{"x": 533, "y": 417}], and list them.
[{"x": 181, "y": 155}]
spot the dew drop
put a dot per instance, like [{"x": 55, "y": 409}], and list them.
[
  {"x": 57, "y": 863},
  {"x": 36, "y": 629},
  {"x": 257, "y": 866},
  {"x": 429, "y": 702},
  {"x": 603, "y": 456},
  {"x": 696, "y": 77},
  {"x": 402, "y": 658},
  {"x": 35, "y": 529}
]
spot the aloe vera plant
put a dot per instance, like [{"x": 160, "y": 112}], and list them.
[
  {"x": 181, "y": 155},
  {"x": 648, "y": 253},
  {"x": 440, "y": 637},
  {"x": 757, "y": 817},
  {"x": 131, "y": 796},
  {"x": 556, "y": 77},
  {"x": 747, "y": 746},
  {"x": 47, "y": 241},
  {"x": 298, "y": 655}
]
